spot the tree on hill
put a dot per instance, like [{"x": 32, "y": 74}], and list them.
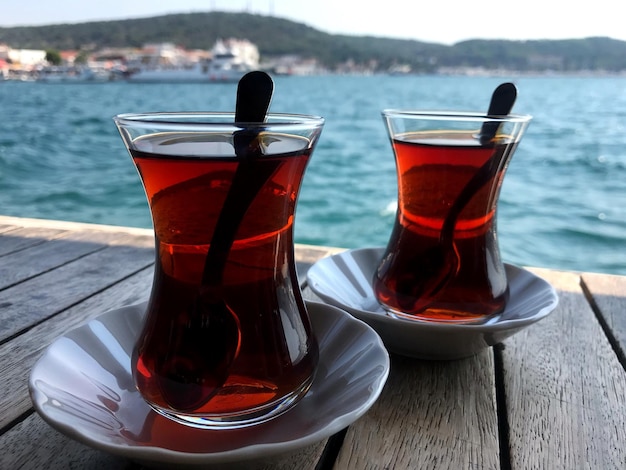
[
  {"x": 276, "y": 36},
  {"x": 53, "y": 57}
]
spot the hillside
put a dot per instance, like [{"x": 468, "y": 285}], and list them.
[{"x": 275, "y": 36}]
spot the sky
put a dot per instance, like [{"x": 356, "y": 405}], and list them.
[{"x": 438, "y": 21}]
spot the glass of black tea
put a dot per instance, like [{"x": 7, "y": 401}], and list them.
[
  {"x": 442, "y": 262},
  {"x": 227, "y": 340}
]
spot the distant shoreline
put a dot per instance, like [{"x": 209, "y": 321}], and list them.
[{"x": 281, "y": 38}]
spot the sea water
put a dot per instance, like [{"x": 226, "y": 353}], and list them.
[{"x": 563, "y": 202}]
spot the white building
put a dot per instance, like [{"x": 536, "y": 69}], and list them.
[{"x": 26, "y": 58}]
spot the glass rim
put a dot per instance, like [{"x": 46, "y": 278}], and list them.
[
  {"x": 206, "y": 118},
  {"x": 454, "y": 115}
]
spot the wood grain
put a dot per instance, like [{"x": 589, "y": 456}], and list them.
[
  {"x": 430, "y": 415},
  {"x": 565, "y": 389},
  {"x": 52, "y": 253},
  {"x": 21, "y": 238},
  {"x": 35, "y": 445},
  {"x": 33, "y": 301},
  {"x": 435, "y": 415},
  {"x": 53, "y": 278},
  {"x": 20, "y": 354},
  {"x": 608, "y": 294},
  {"x": 563, "y": 380}
]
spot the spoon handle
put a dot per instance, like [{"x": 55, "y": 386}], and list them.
[
  {"x": 502, "y": 101},
  {"x": 254, "y": 94},
  {"x": 480, "y": 178}
]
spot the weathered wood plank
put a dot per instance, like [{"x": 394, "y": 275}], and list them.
[
  {"x": 21, "y": 238},
  {"x": 20, "y": 354},
  {"x": 565, "y": 389},
  {"x": 30, "y": 262},
  {"x": 7, "y": 227},
  {"x": 431, "y": 414},
  {"x": 609, "y": 295},
  {"x": 34, "y": 445},
  {"x": 24, "y": 222},
  {"x": 435, "y": 415},
  {"x": 306, "y": 255},
  {"x": 28, "y": 303}
]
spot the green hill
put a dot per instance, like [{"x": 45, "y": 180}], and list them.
[{"x": 276, "y": 36}]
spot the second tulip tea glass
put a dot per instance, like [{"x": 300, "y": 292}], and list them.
[{"x": 442, "y": 262}]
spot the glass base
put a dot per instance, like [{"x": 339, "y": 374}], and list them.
[{"x": 237, "y": 420}]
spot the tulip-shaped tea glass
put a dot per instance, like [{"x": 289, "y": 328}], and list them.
[
  {"x": 442, "y": 262},
  {"x": 227, "y": 340}
]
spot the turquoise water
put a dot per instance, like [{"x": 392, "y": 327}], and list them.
[{"x": 563, "y": 203}]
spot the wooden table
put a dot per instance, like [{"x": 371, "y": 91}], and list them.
[{"x": 550, "y": 397}]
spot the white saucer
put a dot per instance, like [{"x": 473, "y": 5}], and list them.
[
  {"x": 83, "y": 387},
  {"x": 344, "y": 280}
]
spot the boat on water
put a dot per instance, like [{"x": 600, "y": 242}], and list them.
[
  {"x": 228, "y": 61},
  {"x": 207, "y": 71},
  {"x": 61, "y": 74}
]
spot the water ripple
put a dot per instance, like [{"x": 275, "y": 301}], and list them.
[{"x": 563, "y": 202}]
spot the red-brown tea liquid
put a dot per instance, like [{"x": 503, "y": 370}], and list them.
[
  {"x": 192, "y": 356},
  {"x": 433, "y": 169}
]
